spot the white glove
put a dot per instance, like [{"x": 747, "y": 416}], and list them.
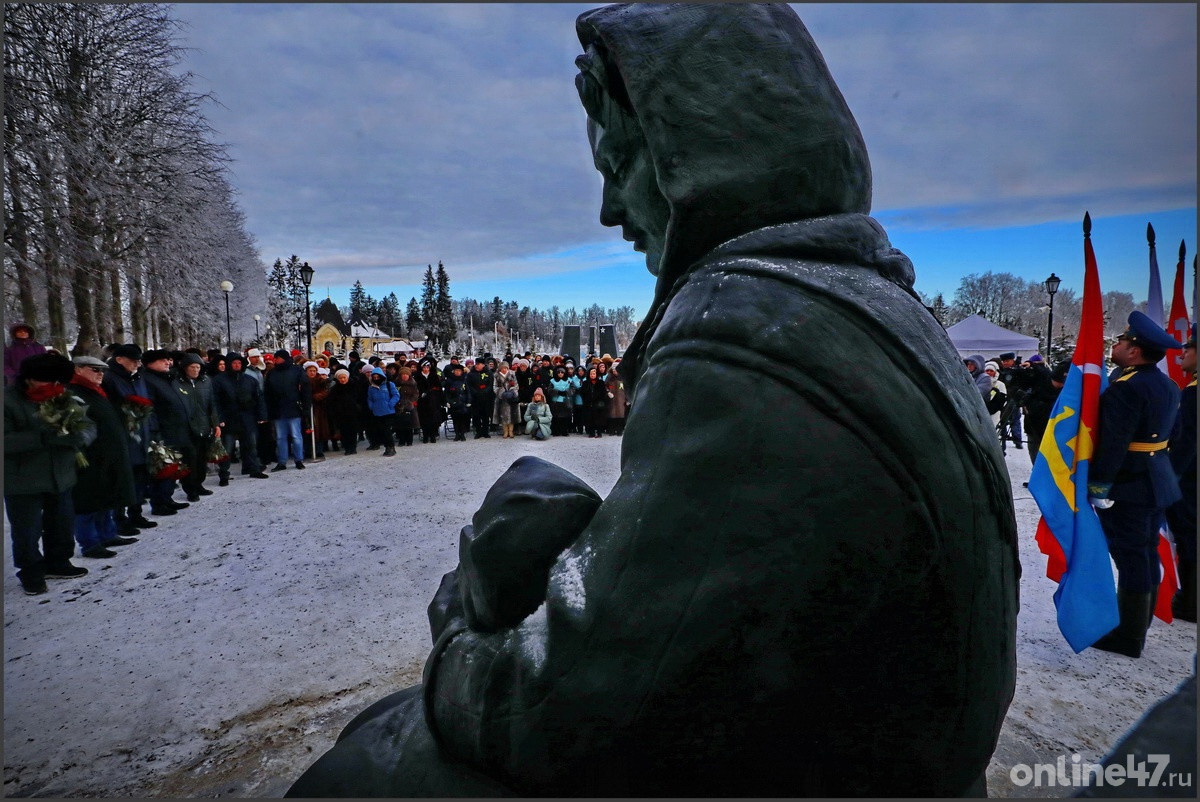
[{"x": 1100, "y": 503}]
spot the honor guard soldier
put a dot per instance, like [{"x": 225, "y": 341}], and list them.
[
  {"x": 1131, "y": 482},
  {"x": 1181, "y": 516}
]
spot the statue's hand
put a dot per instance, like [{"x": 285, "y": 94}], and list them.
[{"x": 531, "y": 514}]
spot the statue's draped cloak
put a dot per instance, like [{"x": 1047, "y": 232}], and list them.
[{"x": 805, "y": 580}]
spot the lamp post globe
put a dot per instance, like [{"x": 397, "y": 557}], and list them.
[
  {"x": 227, "y": 287},
  {"x": 1051, "y": 285},
  {"x": 256, "y": 319}
]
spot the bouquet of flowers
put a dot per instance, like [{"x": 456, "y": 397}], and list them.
[
  {"x": 216, "y": 451},
  {"x": 64, "y": 413},
  {"x": 136, "y": 409},
  {"x": 165, "y": 462}
]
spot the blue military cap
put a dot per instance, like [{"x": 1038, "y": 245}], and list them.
[{"x": 1144, "y": 331}]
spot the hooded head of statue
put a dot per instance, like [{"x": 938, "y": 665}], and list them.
[{"x": 729, "y": 123}]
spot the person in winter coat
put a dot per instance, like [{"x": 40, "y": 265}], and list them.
[
  {"x": 40, "y": 474},
  {"x": 997, "y": 395},
  {"x": 505, "y": 382},
  {"x": 406, "y": 412},
  {"x": 289, "y": 396},
  {"x": 458, "y": 401},
  {"x": 171, "y": 426},
  {"x": 431, "y": 410},
  {"x": 595, "y": 402},
  {"x": 126, "y": 387},
  {"x": 319, "y": 386},
  {"x": 538, "y": 417},
  {"x": 22, "y": 346},
  {"x": 1040, "y": 395},
  {"x": 578, "y": 409},
  {"x": 974, "y": 364},
  {"x": 382, "y": 398},
  {"x": 106, "y": 482},
  {"x": 524, "y": 386},
  {"x": 203, "y": 423},
  {"x": 617, "y": 402},
  {"x": 483, "y": 398},
  {"x": 836, "y": 589},
  {"x": 241, "y": 408},
  {"x": 345, "y": 414},
  {"x": 560, "y": 395}
]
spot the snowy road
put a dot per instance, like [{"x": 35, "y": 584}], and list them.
[{"x": 222, "y": 654}]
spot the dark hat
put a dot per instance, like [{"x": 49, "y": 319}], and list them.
[
  {"x": 354, "y": 354},
  {"x": 1191, "y": 340},
  {"x": 1059, "y": 374},
  {"x": 1009, "y": 355},
  {"x": 127, "y": 351},
  {"x": 47, "y": 367},
  {"x": 1142, "y": 331},
  {"x": 282, "y": 353},
  {"x": 191, "y": 359},
  {"x": 154, "y": 354}
]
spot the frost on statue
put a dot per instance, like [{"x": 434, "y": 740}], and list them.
[{"x": 805, "y": 580}]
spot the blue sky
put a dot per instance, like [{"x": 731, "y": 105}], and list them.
[{"x": 373, "y": 139}]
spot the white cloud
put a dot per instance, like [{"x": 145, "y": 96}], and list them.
[{"x": 376, "y": 136}]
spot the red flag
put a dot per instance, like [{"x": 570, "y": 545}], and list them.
[
  {"x": 1177, "y": 324},
  {"x": 1169, "y": 583},
  {"x": 1069, "y": 532}
]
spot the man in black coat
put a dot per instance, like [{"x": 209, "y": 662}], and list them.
[
  {"x": 241, "y": 408},
  {"x": 458, "y": 399},
  {"x": 123, "y": 382},
  {"x": 203, "y": 421},
  {"x": 289, "y": 395},
  {"x": 1014, "y": 378},
  {"x": 106, "y": 483},
  {"x": 483, "y": 397},
  {"x": 170, "y": 424}
]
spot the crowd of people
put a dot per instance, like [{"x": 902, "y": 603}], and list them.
[
  {"x": 95, "y": 444},
  {"x": 91, "y": 442}
]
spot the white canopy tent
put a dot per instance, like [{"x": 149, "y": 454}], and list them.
[{"x": 977, "y": 335}]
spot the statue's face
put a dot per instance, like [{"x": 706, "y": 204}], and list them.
[{"x": 632, "y": 199}]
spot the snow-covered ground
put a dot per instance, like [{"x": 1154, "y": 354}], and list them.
[{"x": 223, "y": 653}]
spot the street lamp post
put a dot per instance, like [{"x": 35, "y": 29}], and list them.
[
  {"x": 306, "y": 275},
  {"x": 256, "y": 319},
  {"x": 227, "y": 287},
  {"x": 1051, "y": 285}
]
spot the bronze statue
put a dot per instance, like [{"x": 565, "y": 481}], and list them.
[{"x": 805, "y": 580}]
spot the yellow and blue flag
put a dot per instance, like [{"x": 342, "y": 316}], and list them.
[{"x": 1069, "y": 533}]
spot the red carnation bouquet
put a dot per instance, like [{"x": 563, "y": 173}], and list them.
[
  {"x": 165, "y": 462},
  {"x": 216, "y": 451},
  {"x": 136, "y": 409},
  {"x": 63, "y": 412}
]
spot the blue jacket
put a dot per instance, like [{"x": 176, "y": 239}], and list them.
[{"x": 382, "y": 399}]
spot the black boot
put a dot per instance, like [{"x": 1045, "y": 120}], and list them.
[
  {"x": 1183, "y": 606},
  {"x": 1129, "y": 637}
]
